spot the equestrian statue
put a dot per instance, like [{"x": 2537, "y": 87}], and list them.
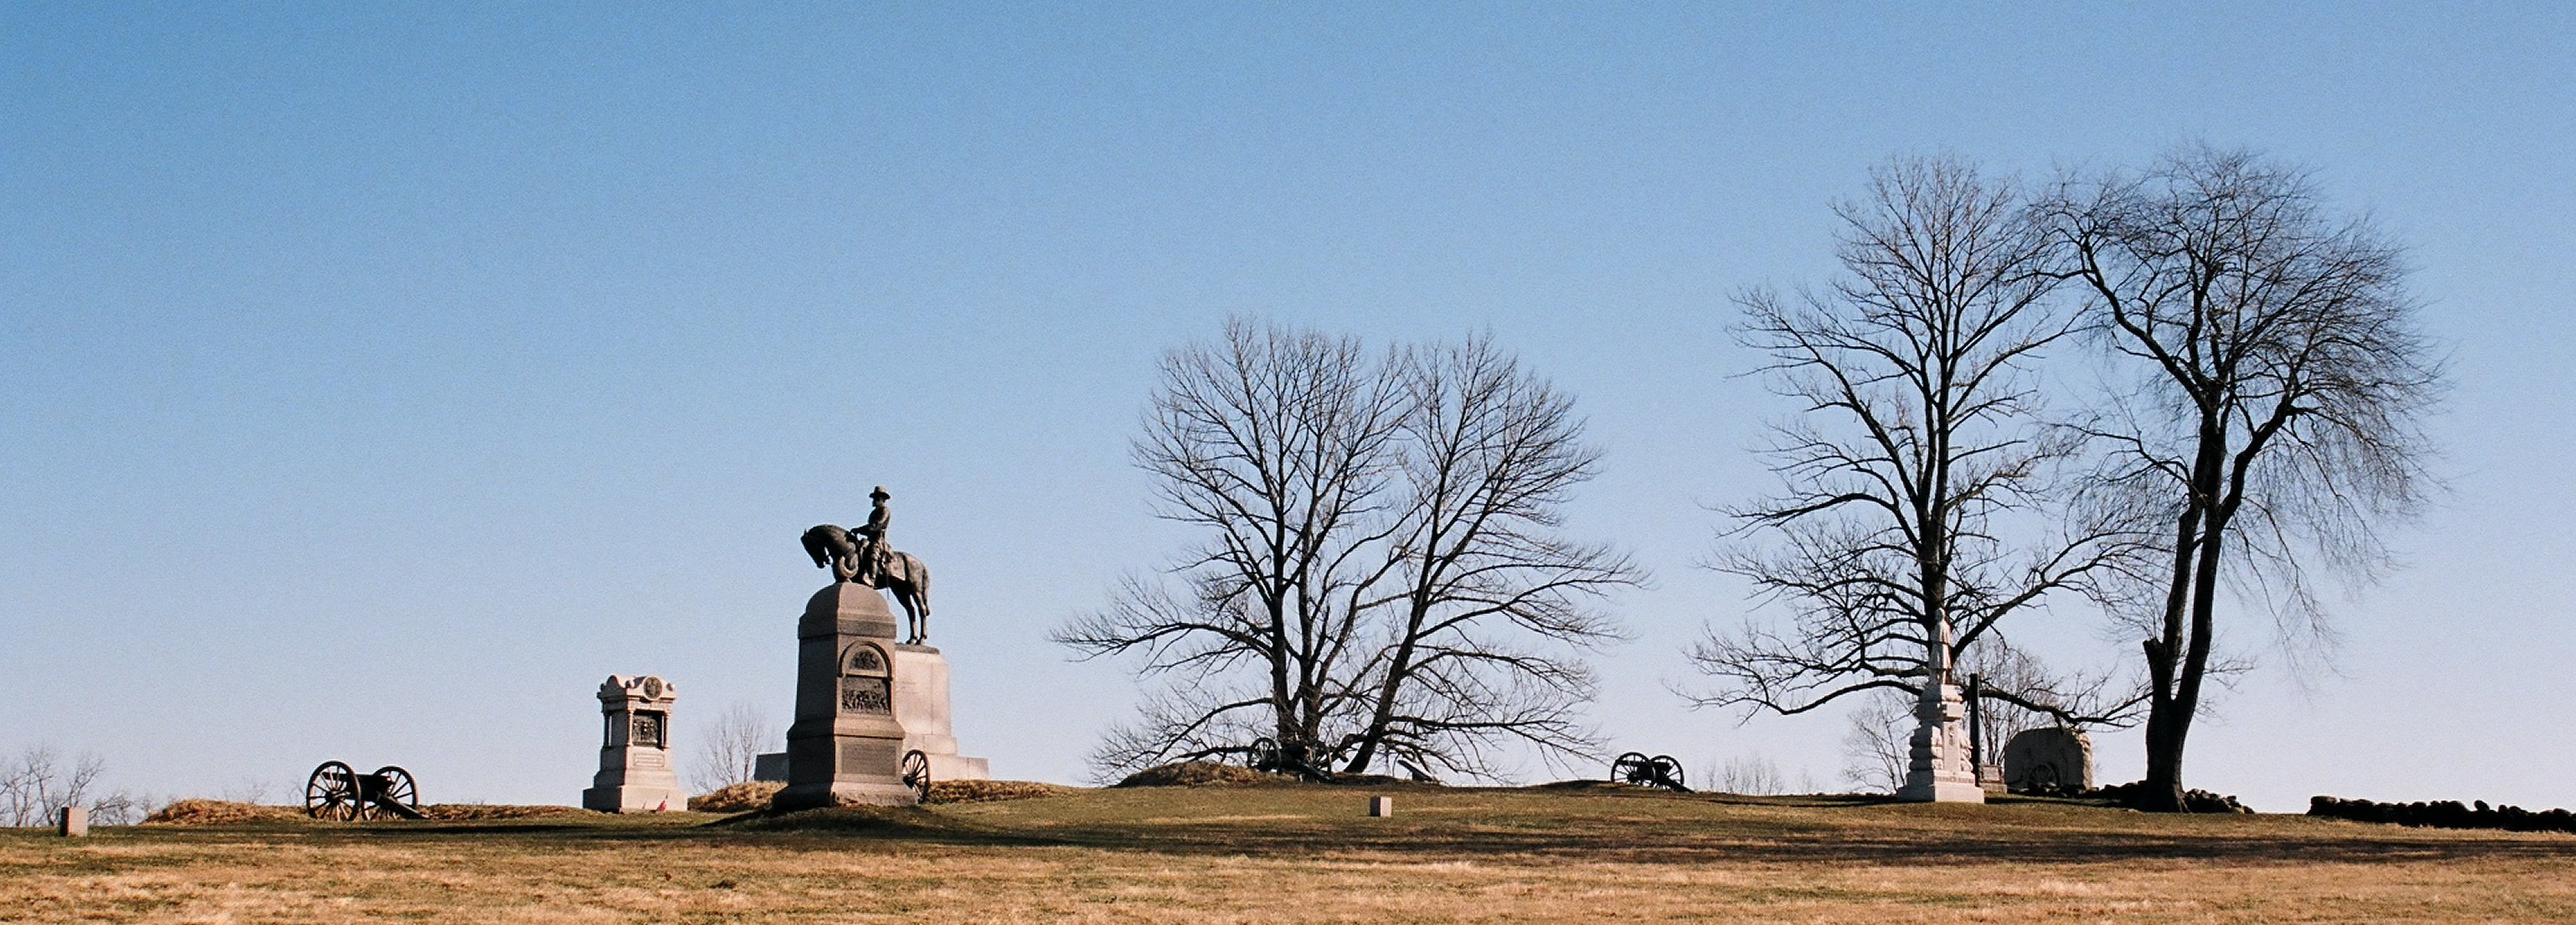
[{"x": 862, "y": 556}]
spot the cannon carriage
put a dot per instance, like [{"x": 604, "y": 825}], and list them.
[{"x": 335, "y": 791}]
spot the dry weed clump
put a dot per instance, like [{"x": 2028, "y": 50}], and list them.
[
  {"x": 991, "y": 791},
  {"x": 218, "y": 812},
  {"x": 746, "y": 797},
  {"x": 1195, "y": 774}
]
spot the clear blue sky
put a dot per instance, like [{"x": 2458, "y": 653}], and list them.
[{"x": 374, "y": 380}]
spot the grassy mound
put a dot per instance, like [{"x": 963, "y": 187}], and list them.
[
  {"x": 219, "y": 812},
  {"x": 1195, "y": 774},
  {"x": 745, "y": 797}
]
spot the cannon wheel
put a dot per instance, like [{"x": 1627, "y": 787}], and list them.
[
  {"x": 916, "y": 774},
  {"x": 332, "y": 792},
  {"x": 2041, "y": 778},
  {"x": 1668, "y": 772},
  {"x": 1263, "y": 755},
  {"x": 1632, "y": 768},
  {"x": 395, "y": 787}
]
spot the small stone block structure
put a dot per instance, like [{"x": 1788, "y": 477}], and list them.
[
  {"x": 769, "y": 766},
  {"x": 72, "y": 822},
  {"x": 921, "y": 705},
  {"x": 1381, "y": 807},
  {"x": 635, "y": 772},
  {"x": 846, "y": 744},
  {"x": 2048, "y": 759}
]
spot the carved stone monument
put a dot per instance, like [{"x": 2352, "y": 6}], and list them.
[
  {"x": 2047, "y": 759},
  {"x": 846, "y": 745},
  {"x": 1939, "y": 769},
  {"x": 635, "y": 772},
  {"x": 871, "y": 714}
]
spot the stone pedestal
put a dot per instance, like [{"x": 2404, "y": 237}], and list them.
[
  {"x": 921, "y": 704},
  {"x": 635, "y": 772},
  {"x": 846, "y": 744},
  {"x": 1940, "y": 769}
]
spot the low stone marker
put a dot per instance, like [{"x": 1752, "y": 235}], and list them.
[
  {"x": 2049, "y": 759},
  {"x": 1381, "y": 807},
  {"x": 74, "y": 822}
]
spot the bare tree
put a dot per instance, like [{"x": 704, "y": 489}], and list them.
[
  {"x": 1754, "y": 775},
  {"x": 1875, "y": 750},
  {"x": 2275, "y": 419},
  {"x": 1488, "y": 601},
  {"x": 729, "y": 749},
  {"x": 40, "y": 782},
  {"x": 1919, "y": 510},
  {"x": 1278, "y": 445},
  {"x": 1384, "y": 576}
]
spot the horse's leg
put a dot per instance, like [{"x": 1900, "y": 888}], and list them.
[{"x": 909, "y": 595}]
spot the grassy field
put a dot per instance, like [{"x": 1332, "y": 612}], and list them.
[{"x": 1309, "y": 854}]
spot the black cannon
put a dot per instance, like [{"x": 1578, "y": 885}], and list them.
[
  {"x": 336, "y": 792},
  {"x": 1309, "y": 762},
  {"x": 1658, "y": 771}
]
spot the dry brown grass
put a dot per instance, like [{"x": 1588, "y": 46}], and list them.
[
  {"x": 987, "y": 791},
  {"x": 218, "y": 812},
  {"x": 748, "y": 796},
  {"x": 1310, "y": 854}
]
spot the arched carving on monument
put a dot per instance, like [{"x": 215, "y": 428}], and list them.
[{"x": 867, "y": 680}]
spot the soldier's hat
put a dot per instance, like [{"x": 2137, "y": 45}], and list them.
[{"x": 879, "y": 494}]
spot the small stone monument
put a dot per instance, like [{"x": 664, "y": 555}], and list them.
[
  {"x": 72, "y": 822},
  {"x": 635, "y": 758},
  {"x": 846, "y": 745},
  {"x": 2048, "y": 759}
]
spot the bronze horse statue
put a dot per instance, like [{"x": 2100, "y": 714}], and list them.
[{"x": 838, "y": 549}]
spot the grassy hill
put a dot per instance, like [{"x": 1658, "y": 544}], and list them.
[{"x": 1309, "y": 854}]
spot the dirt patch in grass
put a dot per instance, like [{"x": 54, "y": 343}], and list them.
[
  {"x": 476, "y": 812},
  {"x": 870, "y": 820}
]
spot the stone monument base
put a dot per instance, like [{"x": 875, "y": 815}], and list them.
[
  {"x": 633, "y": 799},
  {"x": 921, "y": 703},
  {"x": 843, "y": 793},
  {"x": 846, "y": 745}
]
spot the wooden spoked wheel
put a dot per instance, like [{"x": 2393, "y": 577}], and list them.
[
  {"x": 1263, "y": 755},
  {"x": 1633, "y": 768},
  {"x": 916, "y": 774},
  {"x": 1668, "y": 772},
  {"x": 391, "y": 785},
  {"x": 332, "y": 792}
]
